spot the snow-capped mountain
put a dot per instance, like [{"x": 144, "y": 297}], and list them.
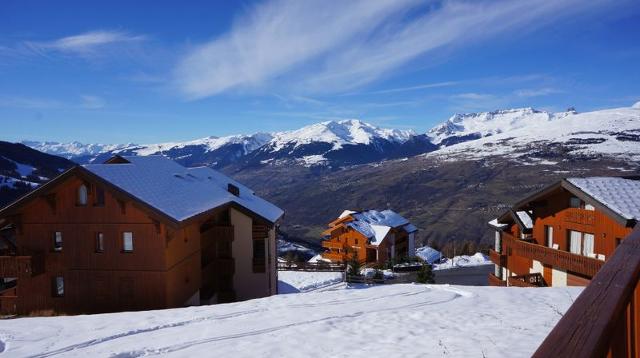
[
  {"x": 535, "y": 135},
  {"x": 333, "y": 143},
  {"x": 23, "y": 168},
  {"x": 464, "y": 127},
  {"x": 512, "y": 132}
]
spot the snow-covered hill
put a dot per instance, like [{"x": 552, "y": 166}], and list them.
[
  {"x": 544, "y": 137},
  {"x": 74, "y": 149},
  {"x": 385, "y": 321},
  {"x": 470, "y": 126}
]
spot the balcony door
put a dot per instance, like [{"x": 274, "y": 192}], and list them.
[
  {"x": 587, "y": 245},
  {"x": 575, "y": 238}
]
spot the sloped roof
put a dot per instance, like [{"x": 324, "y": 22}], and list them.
[
  {"x": 177, "y": 191},
  {"x": 621, "y": 195},
  {"x": 375, "y": 225},
  {"x": 525, "y": 219}
]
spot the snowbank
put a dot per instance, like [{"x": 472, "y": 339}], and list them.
[
  {"x": 463, "y": 261},
  {"x": 301, "y": 281},
  {"x": 408, "y": 321},
  {"x": 318, "y": 258}
]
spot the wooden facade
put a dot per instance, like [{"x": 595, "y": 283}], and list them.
[
  {"x": 559, "y": 216},
  {"x": 111, "y": 252},
  {"x": 342, "y": 242}
]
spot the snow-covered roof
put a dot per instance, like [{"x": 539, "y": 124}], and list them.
[
  {"x": 346, "y": 213},
  {"x": 498, "y": 225},
  {"x": 180, "y": 192},
  {"x": 525, "y": 218},
  {"x": 375, "y": 225},
  {"x": 618, "y": 194}
]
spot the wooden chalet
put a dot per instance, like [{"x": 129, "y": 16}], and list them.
[
  {"x": 135, "y": 233},
  {"x": 374, "y": 236},
  {"x": 562, "y": 235}
]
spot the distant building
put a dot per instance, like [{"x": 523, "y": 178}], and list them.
[
  {"x": 562, "y": 235},
  {"x": 374, "y": 236},
  {"x": 136, "y": 233}
]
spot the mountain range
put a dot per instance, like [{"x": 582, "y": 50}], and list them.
[
  {"x": 337, "y": 144},
  {"x": 448, "y": 181}
]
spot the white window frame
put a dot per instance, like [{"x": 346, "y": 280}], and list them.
[
  {"x": 83, "y": 195},
  {"x": 127, "y": 241},
  {"x": 588, "y": 244},
  {"x": 575, "y": 242},
  {"x": 549, "y": 236},
  {"x": 59, "y": 289}
]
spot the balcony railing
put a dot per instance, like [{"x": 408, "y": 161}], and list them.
[
  {"x": 529, "y": 280},
  {"x": 604, "y": 319},
  {"x": 17, "y": 266},
  {"x": 333, "y": 256},
  {"x": 332, "y": 245},
  {"x": 497, "y": 258},
  {"x": 495, "y": 281},
  {"x": 566, "y": 260}
]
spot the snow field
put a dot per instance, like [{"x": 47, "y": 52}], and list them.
[{"x": 383, "y": 321}]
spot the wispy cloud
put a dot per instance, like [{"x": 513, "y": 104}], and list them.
[
  {"x": 84, "y": 44},
  {"x": 325, "y": 46},
  {"x": 85, "y": 102},
  {"x": 536, "y": 92},
  {"x": 417, "y": 87}
]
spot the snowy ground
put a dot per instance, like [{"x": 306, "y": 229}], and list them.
[
  {"x": 300, "y": 281},
  {"x": 463, "y": 261},
  {"x": 383, "y": 321}
]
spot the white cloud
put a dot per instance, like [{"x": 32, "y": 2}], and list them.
[
  {"x": 84, "y": 44},
  {"x": 327, "y": 46},
  {"x": 536, "y": 92}
]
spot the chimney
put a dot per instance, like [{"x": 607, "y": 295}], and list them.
[{"x": 233, "y": 189}]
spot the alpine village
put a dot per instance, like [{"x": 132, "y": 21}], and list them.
[{"x": 486, "y": 204}]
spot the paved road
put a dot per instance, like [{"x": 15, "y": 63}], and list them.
[{"x": 467, "y": 276}]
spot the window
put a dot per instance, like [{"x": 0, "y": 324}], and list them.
[
  {"x": 548, "y": 231},
  {"x": 83, "y": 195},
  {"x": 57, "y": 241},
  {"x": 575, "y": 202},
  {"x": 99, "y": 242},
  {"x": 589, "y": 207},
  {"x": 587, "y": 245},
  {"x": 127, "y": 242},
  {"x": 57, "y": 286},
  {"x": 99, "y": 197},
  {"x": 259, "y": 254},
  {"x": 575, "y": 238}
]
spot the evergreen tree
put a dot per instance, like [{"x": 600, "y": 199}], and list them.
[
  {"x": 425, "y": 275},
  {"x": 354, "y": 265}
]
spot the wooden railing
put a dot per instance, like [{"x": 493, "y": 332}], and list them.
[
  {"x": 332, "y": 245},
  {"x": 8, "y": 305},
  {"x": 495, "y": 281},
  {"x": 562, "y": 259},
  {"x": 16, "y": 266},
  {"x": 529, "y": 280},
  {"x": 605, "y": 318},
  {"x": 311, "y": 266},
  {"x": 497, "y": 258}
]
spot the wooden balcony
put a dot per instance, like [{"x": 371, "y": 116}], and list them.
[
  {"x": 605, "y": 319},
  {"x": 335, "y": 257},
  {"x": 20, "y": 266},
  {"x": 495, "y": 281},
  {"x": 332, "y": 245},
  {"x": 548, "y": 256},
  {"x": 8, "y": 305},
  {"x": 497, "y": 258},
  {"x": 530, "y": 280}
]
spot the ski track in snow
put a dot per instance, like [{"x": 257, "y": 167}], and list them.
[{"x": 402, "y": 319}]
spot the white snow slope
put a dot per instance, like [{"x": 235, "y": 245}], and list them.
[
  {"x": 301, "y": 281},
  {"x": 384, "y": 321},
  {"x": 514, "y": 133},
  {"x": 338, "y": 133}
]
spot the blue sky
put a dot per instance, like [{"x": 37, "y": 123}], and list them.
[{"x": 152, "y": 71}]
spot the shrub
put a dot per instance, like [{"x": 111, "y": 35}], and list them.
[{"x": 425, "y": 275}]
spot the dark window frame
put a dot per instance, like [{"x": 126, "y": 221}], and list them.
[
  {"x": 99, "y": 242},
  {"x": 58, "y": 245}
]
